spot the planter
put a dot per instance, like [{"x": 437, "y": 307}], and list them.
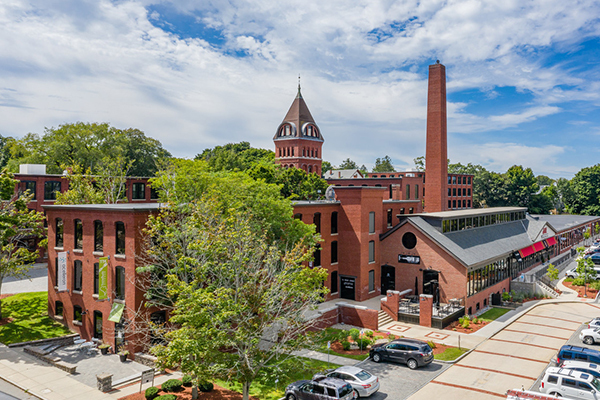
[
  {"x": 104, "y": 350},
  {"x": 123, "y": 357}
]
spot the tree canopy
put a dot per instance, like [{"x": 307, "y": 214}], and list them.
[
  {"x": 234, "y": 157},
  {"x": 585, "y": 188},
  {"x": 348, "y": 164},
  {"x": 383, "y": 165}
]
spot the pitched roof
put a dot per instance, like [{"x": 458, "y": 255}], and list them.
[
  {"x": 564, "y": 221},
  {"x": 343, "y": 174},
  {"x": 298, "y": 115}
]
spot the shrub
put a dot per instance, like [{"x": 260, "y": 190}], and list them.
[
  {"x": 476, "y": 320},
  {"x": 391, "y": 337},
  {"x": 172, "y": 385},
  {"x": 186, "y": 380},
  {"x": 151, "y": 392},
  {"x": 431, "y": 344},
  {"x": 595, "y": 285},
  {"x": 167, "y": 397},
  {"x": 465, "y": 321},
  {"x": 569, "y": 279},
  {"x": 206, "y": 387},
  {"x": 579, "y": 282},
  {"x": 345, "y": 345},
  {"x": 506, "y": 296},
  {"x": 362, "y": 343},
  {"x": 354, "y": 334},
  {"x": 369, "y": 334}
]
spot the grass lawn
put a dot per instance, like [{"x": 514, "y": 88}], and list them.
[
  {"x": 493, "y": 313},
  {"x": 301, "y": 368},
  {"x": 31, "y": 321},
  {"x": 451, "y": 353}
]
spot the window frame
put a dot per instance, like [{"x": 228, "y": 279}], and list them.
[
  {"x": 50, "y": 190},
  {"x": 371, "y": 251},
  {"x": 120, "y": 283},
  {"x": 98, "y": 236},
  {"x": 138, "y": 191},
  {"x": 77, "y": 276},
  {"x": 120, "y": 237},
  {"x": 59, "y": 232},
  {"x": 78, "y": 235}
]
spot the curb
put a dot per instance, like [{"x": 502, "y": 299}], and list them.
[{"x": 23, "y": 389}]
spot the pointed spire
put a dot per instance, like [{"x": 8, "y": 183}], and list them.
[{"x": 299, "y": 95}]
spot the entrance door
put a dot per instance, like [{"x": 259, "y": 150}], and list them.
[
  {"x": 97, "y": 324},
  {"x": 388, "y": 278},
  {"x": 347, "y": 290},
  {"x": 431, "y": 284}
]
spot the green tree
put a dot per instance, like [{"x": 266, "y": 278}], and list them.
[
  {"x": 521, "y": 185},
  {"x": 586, "y": 191},
  {"x": 295, "y": 183},
  {"x": 16, "y": 222},
  {"x": 585, "y": 266},
  {"x": 383, "y": 165},
  {"x": 234, "y": 157},
  {"x": 565, "y": 194},
  {"x": 543, "y": 180},
  {"x": 4, "y": 151},
  {"x": 348, "y": 164},
  {"x": 326, "y": 166},
  {"x": 420, "y": 163},
  {"x": 552, "y": 272}
]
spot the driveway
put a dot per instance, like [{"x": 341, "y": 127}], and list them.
[{"x": 514, "y": 357}]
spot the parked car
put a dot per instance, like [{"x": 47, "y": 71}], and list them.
[
  {"x": 323, "y": 389},
  {"x": 590, "y": 336},
  {"x": 569, "y": 352},
  {"x": 569, "y": 383},
  {"x": 572, "y": 273},
  {"x": 590, "y": 368},
  {"x": 595, "y": 323},
  {"x": 411, "y": 352},
  {"x": 592, "y": 250},
  {"x": 363, "y": 383}
]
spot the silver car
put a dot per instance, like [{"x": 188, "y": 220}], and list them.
[
  {"x": 590, "y": 336},
  {"x": 363, "y": 383}
]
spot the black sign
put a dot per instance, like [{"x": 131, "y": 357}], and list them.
[
  {"x": 409, "y": 259},
  {"x": 347, "y": 290}
]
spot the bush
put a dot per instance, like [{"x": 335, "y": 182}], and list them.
[
  {"x": 345, "y": 345},
  {"x": 167, "y": 397},
  {"x": 354, "y": 334},
  {"x": 431, "y": 344},
  {"x": 595, "y": 285},
  {"x": 506, "y": 296},
  {"x": 172, "y": 385},
  {"x": 186, "y": 380},
  {"x": 579, "y": 282},
  {"x": 369, "y": 334},
  {"x": 151, "y": 392},
  {"x": 362, "y": 343},
  {"x": 206, "y": 387},
  {"x": 569, "y": 279},
  {"x": 465, "y": 321},
  {"x": 391, "y": 337},
  {"x": 476, "y": 320}
]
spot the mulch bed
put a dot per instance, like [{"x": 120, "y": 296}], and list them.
[
  {"x": 218, "y": 393},
  {"x": 3, "y": 296},
  {"x": 5, "y": 321},
  {"x": 455, "y": 326},
  {"x": 581, "y": 289}
]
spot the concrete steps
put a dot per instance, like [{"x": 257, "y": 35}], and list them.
[{"x": 383, "y": 319}]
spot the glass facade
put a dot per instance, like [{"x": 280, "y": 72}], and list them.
[{"x": 458, "y": 224}]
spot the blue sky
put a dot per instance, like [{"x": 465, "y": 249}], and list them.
[{"x": 523, "y": 76}]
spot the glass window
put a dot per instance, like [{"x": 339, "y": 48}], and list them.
[
  {"x": 78, "y": 234},
  {"x": 402, "y": 211},
  {"x": 454, "y": 225},
  {"x": 372, "y": 222},
  {"x": 334, "y": 282},
  {"x": 371, "y": 280},
  {"x": 461, "y": 224},
  {"x": 445, "y": 226},
  {"x": 59, "y": 233},
  {"x": 97, "y": 324},
  {"x": 317, "y": 256},
  {"x": 96, "y": 278},
  {"x": 77, "y": 275},
  {"x": 138, "y": 191},
  {"x": 371, "y": 251},
  {"x": 50, "y": 189},
  {"x": 59, "y": 308},
  {"x": 298, "y": 216},
  {"x": 468, "y": 180},
  {"x": 454, "y": 180},
  {"x": 120, "y": 237},
  {"x": 98, "y": 236},
  {"x": 460, "y": 180},
  {"x": 28, "y": 185},
  {"x": 317, "y": 222},
  {"x": 453, "y": 191},
  {"x": 453, "y": 203},
  {"x": 569, "y": 382},
  {"x": 449, "y": 202},
  {"x": 411, "y": 210},
  {"x": 476, "y": 222},
  {"x": 552, "y": 379},
  {"x": 407, "y": 192},
  {"x": 334, "y": 252},
  {"x": 120, "y": 283},
  {"x": 153, "y": 193},
  {"x": 77, "y": 313},
  {"x": 334, "y": 222},
  {"x": 449, "y": 192},
  {"x": 416, "y": 191},
  {"x": 468, "y": 191},
  {"x": 449, "y": 179},
  {"x": 464, "y": 202},
  {"x": 390, "y": 218}
]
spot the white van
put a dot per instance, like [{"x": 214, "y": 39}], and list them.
[{"x": 561, "y": 382}]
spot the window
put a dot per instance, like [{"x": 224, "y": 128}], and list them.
[
  {"x": 411, "y": 210},
  {"x": 98, "y": 236},
  {"x": 317, "y": 256},
  {"x": 460, "y": 180},
  {"x": 469, "y": 203},
  {"x": 334, "y": 252},
  {"x": 334, "y": 222},
  {"x": 50, "y": 189},
  {"x": 334, "y": 282},
  {"x": 58, "y": 307},
  {"x": 28, "y": 185},
  {"x": 464, "y": 203},
  {"x": 77, "y": 314},
  {"x": 453, "y": 203},
  {"x": 372, "y": 251},
  {"x": 449, "y": 202},
  {"x": 402, "y": 211},
  {"x": 153, "y": 194},
  {"x": 449, "y": 179},
  {"x": 468, "y": 191},
  {"x": 56, "y": 272},
  {"x": 371, "y": 280},
  {"x": 449, "y": 192},
  {"x": 552, "y": 379},
  {"x": 138, "y": 191},
  {"x": 390, "y": 219},
  {"x": 120, "y": 283},
  {"x": 372, "y": 222},
  {"x": 416, "y": 191},
  {"x": 454, "y": 180},
  {"x": 407, "y": 192},
  {"x": 77, "y": 275},
  {"x": 298, "y": 216},
  {"x": 120, "y": 237},
  {"x": 409, "y": 240},
  {"x": 468, "y": 180},
  {"x": 78, "y": 234},
  {"x": 96, "y": 278},
  {"x": 569, "y": 382},
  {"x": 317, "y": 222},
  {"x": 453, "y": 191},
  {"x": 97, "y": 324},
  {"x": 59, "y": 233}
]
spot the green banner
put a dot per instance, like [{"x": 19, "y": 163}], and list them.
[
  {"x": 103, "y": 279},
  {"x": 116, "y": 312}
]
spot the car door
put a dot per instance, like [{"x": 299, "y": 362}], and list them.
[
  {"x": 569, "y": 387},
  {"x": 394, "y": 352},
  {"x": 348, "y": 378},
  {"x": 585, "y": 391},
  {"x": 307, "y": 392}
]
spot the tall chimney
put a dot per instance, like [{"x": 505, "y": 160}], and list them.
[{"x": 436, "y": 153}]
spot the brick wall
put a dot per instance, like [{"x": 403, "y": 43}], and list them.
[{"x": 358, "y": 316}]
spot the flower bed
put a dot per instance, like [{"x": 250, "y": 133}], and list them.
[
  {"x": 473, "y": 326},
  {"x": 581, "y": 289},
  {"x": 218, "y": 393}
]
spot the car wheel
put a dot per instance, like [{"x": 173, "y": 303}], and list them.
[
  {"x": 555, "y": 394},
  {"x": 356, "y": 395},
  {"x": 412, "y": 363},
  {"x": 290, "y": 397},
  {"x": 588, "y": 340},
  {"x": 377, "y": 357}
]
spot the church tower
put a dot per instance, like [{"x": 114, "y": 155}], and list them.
[{"x": 298, "y": 140}]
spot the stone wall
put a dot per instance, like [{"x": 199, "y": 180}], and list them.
[
  {"x": 62, "y": 341},
  {"x": 358, "y": 316}
]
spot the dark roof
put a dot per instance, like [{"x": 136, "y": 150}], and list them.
[
  {"x": 106, "y": 207},
  {"x": 564, "y": 221},
  {"x": 298, "y": 115}
]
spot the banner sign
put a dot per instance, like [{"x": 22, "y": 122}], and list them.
[
  {"x": 62, "y": 271},
  {"x": 409, "y": 259},
  {"x": 103, "y": 279}
]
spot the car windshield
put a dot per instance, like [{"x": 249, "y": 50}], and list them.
[
  {"x": 595, "y": 383},
  {"x": 344, "y": 390},
  {"x": 363, "y": 375},
  {"x": 426, "y": 349}
]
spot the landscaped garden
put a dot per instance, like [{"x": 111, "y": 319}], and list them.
[
  {"x": 467, "y": 325},
  {"x": 578, "y": 285},
  {"x": 25, "y": 318}
]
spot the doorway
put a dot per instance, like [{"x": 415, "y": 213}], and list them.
[
  {"x": 98, "y": 325},
  {"x": 348, "y": 287},
  {"x": 431, "y": 284},
  {"x": 388, "y": 278}
]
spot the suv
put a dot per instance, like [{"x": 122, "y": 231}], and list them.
[
  {"x": 322, "y": 389},
  {"x": 363, "y": 383},
  {"x": 595, "y": 323},
  {"x": 411, "y": 352},
  {"x": 569, "y": 383},
  {"x": 590, "y": 336},
  {"x": 589, "y": 368},
  {"x": 568, "y": 352}
]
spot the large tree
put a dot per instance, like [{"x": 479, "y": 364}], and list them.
[
  {"x": 383, "y": 165},
  {"x": 4, "y": 151},
  {"x": 585, "y": 187},
  {"x": 17, "y": 223},
  {"x": 234, "y": 157},
  {"x": 348, "y": 164}
]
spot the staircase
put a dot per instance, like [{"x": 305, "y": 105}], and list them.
[
  {"x": 383, "y": 319},
  {"x": 546, "y": 288}
]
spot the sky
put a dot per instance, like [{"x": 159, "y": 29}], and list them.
[{"x": 523, "y": 77}]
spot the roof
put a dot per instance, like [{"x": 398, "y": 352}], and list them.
[
  {"x": 564, "y": 221},
  {"x": 106, "y": 207},
  {"x": 343, "y": 174},
  {"x": 472, "y": 212},
  {"x": 298, "y": 115}
]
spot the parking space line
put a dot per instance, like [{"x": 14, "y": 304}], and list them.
[
  {"x": 524, "y": 343},
  {"x": 549, "y": 317},
  {"x": 537, "y": 334},
  {"x": 547, "y": 326},
  {"x": 508, "y": 355},
  {"x": 592, "y": 305},
  {"x": 496, "y": 371},
  {"x": 471, "y": 388}
]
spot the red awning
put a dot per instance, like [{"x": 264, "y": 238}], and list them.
[
  {"x": 539, "y": 246},
  {"x": 527, "y": 251},
  {"x": 551, "y": 241}
]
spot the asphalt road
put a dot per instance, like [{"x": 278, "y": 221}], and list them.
[
  {"x": 37, "y": 282},
  {"x": 397, "y": 381},
  {"x": 10, "y": 392}
]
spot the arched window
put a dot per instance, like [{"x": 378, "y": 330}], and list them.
[
  {"x": 310, "y": 169},
  {"x": 59, "y": 227},
  {"x": 78, "y": 234},
  {"x": 317, "y": 256},
  {"x": 77, "y": 275},
  {"x": 120, "y": 237},
  {"x": 98, "y": 236},
  {"x": 298, "y": 216},
  {"x": 317, "y": 222},
  {"x": 97, "y": 324},
  {"x": 317, "y": 153},
  {"x": 407, "y": 192},
  {"x": 416, "y": 191}
]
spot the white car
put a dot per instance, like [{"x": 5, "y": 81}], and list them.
[
  {"x": 595, "y": 323},
  {"x": 363, "y": 383},
  {"x": 572, "y": 273},
  {"x": 590, "y": 336},
  {"x": 582, "y": 366},
  {"x": 569, "y": 383}
]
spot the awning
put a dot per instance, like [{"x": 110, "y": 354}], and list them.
[
  {"x": 116, "y": 312},
  {"x": 539, "y": 246},
  {"x": 551, "y": 241},
  {"x": 527, "y": 251}
]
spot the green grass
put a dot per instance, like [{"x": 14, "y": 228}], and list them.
[
  {"x": 451, "y": 353},
  {"x": 31, "y": 321},
  {"x": 267, "y": 389},
  {"x": 331, "y": 335},
  {"x": 493, "y": 313}
]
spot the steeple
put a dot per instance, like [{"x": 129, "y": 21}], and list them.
[{"x": 299, "y": 95}]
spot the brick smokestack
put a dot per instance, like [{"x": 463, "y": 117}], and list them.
[{"x": 436, "y": 153}]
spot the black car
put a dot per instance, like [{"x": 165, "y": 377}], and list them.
[
  {"x": 319, "y": 389},
  {"x": 411, "y": 352}
]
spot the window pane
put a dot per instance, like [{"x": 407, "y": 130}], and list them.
[
  {"x": 98, "y": 236},
  {"x": 334, "y": 282},
  {"x": 120, "y": 236},
  {"x": 334, "y": 222},
  {"x": 371, "y": 222},
  {"x": 138, "y": 191},
  {"x": 317, "y": 222},
  {"x": 371, "y": 280},
  {"x": 120, "y": 283},
  {"x": 50, "y": 189},
  {"x": 334, "y": 252},
  {"x": 59, "y": 233},
  {"x": 77, "y": 275},
  {"x": 371, "y": 251},
  {"x": 96, "y": 277},
  {"x": 78, "y": 234}
]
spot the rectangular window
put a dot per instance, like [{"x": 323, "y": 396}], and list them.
[
  {"x": 454, "y": 180},
  {"x": 449, "y": 179},
  {"x": 371, "y": 280},
  {"x": 453, "y": 203},
  {"x": 416, "y": 192},
  {"x": 449, "y": 192},
  {"x": 460, "y": 180},
  {"x": 59, "y": 226},
  {"x": 56, "y": 272},
  {"x": 334, "y": 252},
  {"x": 120, "y": 237},
  {"x": 334, "y": 282},
  {"x": 28, "y": 186},
  {"x": 372, "y": 222},
  {"x": 98, "y": 236},
  {"x": 317, "y": 222},
  {"x": 372, "y": 251},
  {"x": 78, "y": 234},
  {"x": 402, "y": 211},
  {"x": 468, "y": 180},
  {"x": 390, "y": 218},
  {"x": 96, "y": 278},
  {"x": 77, "y": 275},
  {"x": 468, "y": 191},
  {"x": 77, "y": 314},
  {"x": 454, "y": 192},
  {"x": 138, "y": 191},
  {"x": 449, "y": 203},
  {"x": 334, "y": 222},
  {"x": 153, "y": 194},
  {"x": 407, "y": 192},
  {"x": 120, "y": 283},
  {"x": 50, "y": 189},
  {"x": 97, "y": 324},
  {"x": 59, "y": 309}
]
